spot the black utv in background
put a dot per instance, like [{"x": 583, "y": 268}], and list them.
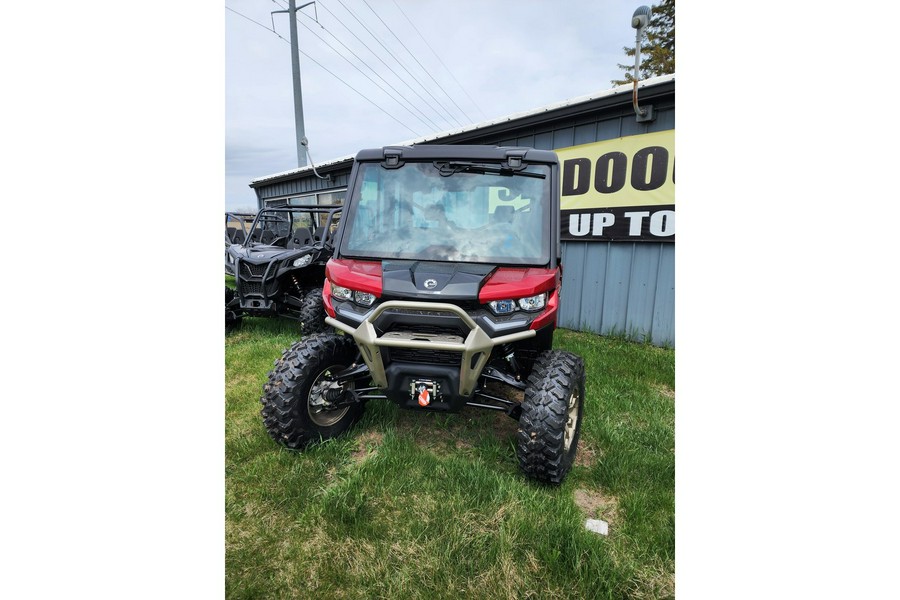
[
  {"x": 279, "y": 269},
  {"x": 444, "y": 284}
]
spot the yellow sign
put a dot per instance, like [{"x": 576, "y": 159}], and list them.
[{"x": 637, "y": 170}]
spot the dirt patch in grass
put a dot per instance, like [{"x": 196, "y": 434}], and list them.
[
  {"x": 665, "y": 391},
  {"x": 367, "y": 445},
  {"x": 506, "y": 428},
  {"x": 462, "y": 445},
  {"x": 586, "y": 455},
  {"x": 429, "y": 433},
  {"x": 502, "y": 581},
  {"x": 330, "y": 474},
  {"x": 504, "y": 391},
  {"x": 654, "y": 582},
  {"x": 461, "y": 431},
  {"x": 596, "y": 505}
]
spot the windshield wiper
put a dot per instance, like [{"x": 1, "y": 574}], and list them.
[{"x": 446, "y": 169}]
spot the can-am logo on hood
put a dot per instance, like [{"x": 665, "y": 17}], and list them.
[{"x": 430, "y": 284}]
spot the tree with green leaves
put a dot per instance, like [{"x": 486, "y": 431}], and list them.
[{"x": 657, "y": 45}]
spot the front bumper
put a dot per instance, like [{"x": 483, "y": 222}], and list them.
[{"x": 475, "y": 348}]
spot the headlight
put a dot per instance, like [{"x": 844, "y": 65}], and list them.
[
  {"x": 502, "y": 307},
  {"x": 361, "y": 298},
  {"x": 231, "y": 259},
  {"x": 303, "y": 261},
  {"x": 341, "y": 292},
  {"x": 364, "y": 298},
  {"x": 529, "y": 304},
  {"x": 533, "y": 303}
]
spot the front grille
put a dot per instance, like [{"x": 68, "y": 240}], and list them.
[
  {"x": 461, "y": 331},
  {"x": 251, "y": 287},
  {"x": 251, "y": 270},
  {"x": 428, "y": 357}
]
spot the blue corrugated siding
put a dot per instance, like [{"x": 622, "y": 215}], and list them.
[
  {"x": 616, "y": 288},
  {"x": 664, "y": 309},
  {"x": 305, "y": 185}
]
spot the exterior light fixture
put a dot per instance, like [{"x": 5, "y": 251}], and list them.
[{"x": 639, "y": 20}]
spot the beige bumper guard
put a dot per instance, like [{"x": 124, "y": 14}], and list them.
[{"x": 477, "y": 343}]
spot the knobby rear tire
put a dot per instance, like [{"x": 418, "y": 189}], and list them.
[{"x": 312, "y": 313}]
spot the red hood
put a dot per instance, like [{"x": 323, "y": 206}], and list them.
[{"x": 511, "y": 283}]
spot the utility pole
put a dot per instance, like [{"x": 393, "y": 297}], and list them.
[{"x": 295, "y": 70}]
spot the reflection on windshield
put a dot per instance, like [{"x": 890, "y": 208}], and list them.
[{"x": 416, "y": 213}]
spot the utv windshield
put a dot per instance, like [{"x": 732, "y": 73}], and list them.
[
  {"x": 452, "y": 211},
  {"x": 291, "y": 228}
]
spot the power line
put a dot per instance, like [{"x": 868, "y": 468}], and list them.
[
  {"x": 439, "y": 59},
  {"x": 429, "y": 123},
  {"x": 438, "y": 102},
  {"x": 328, "y": 71},
  {"x": 255, "y": 22},
  {"x": 427, "y": 72},
  {"x": 375, "y": 54}
]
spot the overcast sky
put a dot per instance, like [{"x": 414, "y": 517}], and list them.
[{"x": 479, "y": 60}]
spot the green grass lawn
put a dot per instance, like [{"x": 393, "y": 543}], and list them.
[{"x": 427, "y": 505}]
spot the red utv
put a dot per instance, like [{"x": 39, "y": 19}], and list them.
[{"x": 445, "y": 277}]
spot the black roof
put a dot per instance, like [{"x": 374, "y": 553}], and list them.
[
  {"x": 457, "y": 152},
  {"x": 303, "y": 207}
]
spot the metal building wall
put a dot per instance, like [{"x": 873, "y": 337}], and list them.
[
  {"x": 617, "y": 288},
  {"x": 299, "y": 186}
]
